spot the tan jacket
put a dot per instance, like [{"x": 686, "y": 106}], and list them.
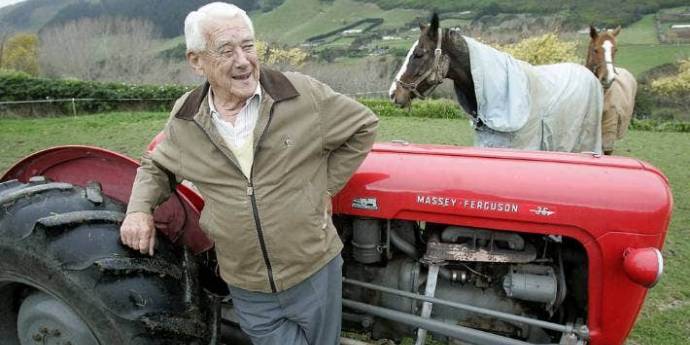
[{"x": 270, "y": 231}]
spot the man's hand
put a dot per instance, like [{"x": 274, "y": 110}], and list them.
[{"x": 138, "y": 232}]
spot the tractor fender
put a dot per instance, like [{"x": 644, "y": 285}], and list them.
[{"x": 177, "y": 218}]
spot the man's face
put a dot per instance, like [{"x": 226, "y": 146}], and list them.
[{"x": 230, "y": 62}]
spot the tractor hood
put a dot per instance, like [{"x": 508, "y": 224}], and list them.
[{"x": 589, "y": 195}]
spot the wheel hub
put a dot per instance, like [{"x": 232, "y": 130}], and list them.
[{"x": 44, "y": 320}]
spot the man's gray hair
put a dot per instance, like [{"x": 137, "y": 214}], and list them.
[{"x": 193, "y": 24}]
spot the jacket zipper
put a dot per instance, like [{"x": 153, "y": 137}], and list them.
[
  {"x": 257, "y": 221},
  {"x": 250, "y": 193}
]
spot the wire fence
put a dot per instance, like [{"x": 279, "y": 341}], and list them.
[
  {"x": 72, "y": 103},
  {"x": 74, "y": 106}
]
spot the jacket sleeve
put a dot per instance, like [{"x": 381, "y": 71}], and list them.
[
  {"x": 349, "y": 130},
  {"x": 157, "y": 175}
]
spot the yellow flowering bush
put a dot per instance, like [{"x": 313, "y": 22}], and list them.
[
  {"x": 674, "y": 85},
  {"x": 278, "y": 56},
  {"x": 543, "y": 50}
]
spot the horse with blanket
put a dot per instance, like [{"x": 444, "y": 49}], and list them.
[
  {"x": 512, "y": 103},
  {"x": 619, "y": 85}
]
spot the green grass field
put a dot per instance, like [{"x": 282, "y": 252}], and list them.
[
  {"x": 640, "y": 58},
  {"x": 296, "y": 20},
  {"x": 641, "y": 32},
  {"x": 665, "y": 318}
]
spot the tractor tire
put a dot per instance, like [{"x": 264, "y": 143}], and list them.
[{"x": 65, "y": 277}]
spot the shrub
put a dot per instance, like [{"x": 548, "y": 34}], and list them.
[
  {"x": 660, "y": 126},
  {"x": 542, "y": 50},
  {"x": 440, "y": 109},
  {"x": 674, "y": 85},
  {"x": 17, "y": 86},
  {"x": 278, "y": 56}
]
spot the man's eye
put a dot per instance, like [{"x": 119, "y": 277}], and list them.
[{"x": 248, "y": 47}]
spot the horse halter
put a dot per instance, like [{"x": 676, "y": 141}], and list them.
[
  {"x": 607, "y": 62},
  {"x": 438, "y": 72}
]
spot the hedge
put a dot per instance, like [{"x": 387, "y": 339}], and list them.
[{"x": 17, "y": 86}]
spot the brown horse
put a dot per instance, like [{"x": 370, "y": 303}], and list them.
[
  {"x": 511, "y": 103},
  {"x": 619, "y": 85}
]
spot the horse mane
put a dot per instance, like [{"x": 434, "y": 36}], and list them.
[{"x": 460, "y": 70}]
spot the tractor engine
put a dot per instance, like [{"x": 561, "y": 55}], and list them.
[{"x": 498, "y": 282}]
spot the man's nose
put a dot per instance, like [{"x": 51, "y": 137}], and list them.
[{"x": 241, "y": 59}]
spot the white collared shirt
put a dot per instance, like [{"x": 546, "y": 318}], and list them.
[{"x": 235, "y": 136}]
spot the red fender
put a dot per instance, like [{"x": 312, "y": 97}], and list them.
[{"x": 177, "y": 218}]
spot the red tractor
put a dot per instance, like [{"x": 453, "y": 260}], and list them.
[{"x": 465, "y": 245}]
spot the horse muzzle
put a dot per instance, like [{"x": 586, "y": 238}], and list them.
[{"x": 401, "y": 97}]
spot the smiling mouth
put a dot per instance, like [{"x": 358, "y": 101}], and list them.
[{"x": 242, "y": 76}]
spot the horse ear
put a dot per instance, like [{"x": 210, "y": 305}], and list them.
[
  {"x": 434, "y": 24},
  {"x": 422, "y": 26},
  {"x": 617, "y": 31},
  {"x": 592, "y": 31}
]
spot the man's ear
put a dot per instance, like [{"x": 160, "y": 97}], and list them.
[{"x": 194, "y": 60}]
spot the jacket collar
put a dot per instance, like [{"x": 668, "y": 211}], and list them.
[{"x": 273, "y": 82}]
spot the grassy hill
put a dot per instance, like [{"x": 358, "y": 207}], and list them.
[
  {"x": 296, "y": 20},
  {"x": 292, "y": 22}
]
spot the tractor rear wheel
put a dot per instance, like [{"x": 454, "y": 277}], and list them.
[{"x": 65, "y": 278}]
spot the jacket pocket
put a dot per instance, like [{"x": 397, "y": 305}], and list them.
[{"x": 320, "y": 203}]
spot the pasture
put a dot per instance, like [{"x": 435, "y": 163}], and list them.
[
  {"x": 639, "y": 49},
  {"x": 638, "y": 58},
  {"x": 641, "y": 32},
  {"x": 316, "y": 17},
  {"x": 665, "y": 318}
]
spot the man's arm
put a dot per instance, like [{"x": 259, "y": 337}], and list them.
[
  {"x": 349, "y": 131},
  {"x": 154, "y": 182}
]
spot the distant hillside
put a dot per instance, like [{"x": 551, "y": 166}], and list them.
[
  {"x": 166, "y": 15},
  {"x": 299, "y": 19},
  {"x": 601, "y": 12}
]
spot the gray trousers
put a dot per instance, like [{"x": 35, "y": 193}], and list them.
[{"x": 308, "y": 313}]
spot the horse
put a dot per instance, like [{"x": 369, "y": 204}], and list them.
[
  {"x": 619, "y": 85},
  {"x": 511, "y": 103}
]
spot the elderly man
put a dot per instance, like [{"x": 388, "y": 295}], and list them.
[{"x": 266, "y": 150}]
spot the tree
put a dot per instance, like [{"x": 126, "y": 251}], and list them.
[
  {"x": 20, "y": 52},
  {"x": 105, "y": 49}
]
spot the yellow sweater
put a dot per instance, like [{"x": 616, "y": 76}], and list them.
[{"x": 244, "y": 154}]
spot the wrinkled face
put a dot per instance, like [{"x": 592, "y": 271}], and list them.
[
  {"x": 230, "y": 61},
  {"x": 419, "y": 59},
  {"x": 601, "y": 54}
]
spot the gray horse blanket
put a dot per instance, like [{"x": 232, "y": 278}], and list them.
[
  {"x": 551, "y": 108},
  {"x": 619, "y": 102}
]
